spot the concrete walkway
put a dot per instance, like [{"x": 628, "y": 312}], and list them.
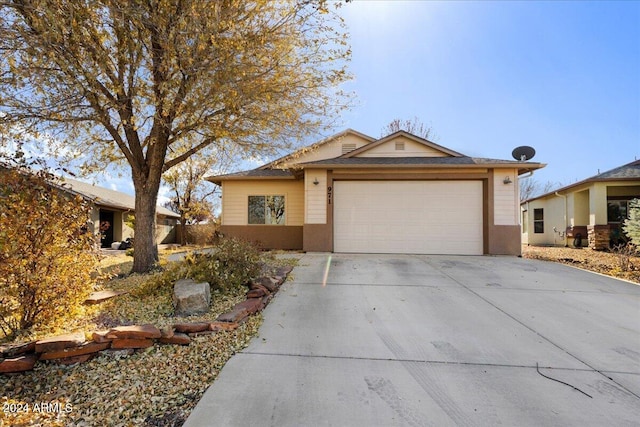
[{"x": 402, "y": 340}]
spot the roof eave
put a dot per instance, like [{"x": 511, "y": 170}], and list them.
[
  {"x": 521, "y": 168},
  {"x": 218, "y": 180},
  {"x": 567, "y": 188}
]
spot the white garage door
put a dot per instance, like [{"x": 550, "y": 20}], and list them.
[{"x": 418, "y": 217}]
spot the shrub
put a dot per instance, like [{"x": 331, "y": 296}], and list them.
[
  {"x": 631, "y": 225},
  {"x": 623, "y": 253},
  {"x": 47, "y": 254},
  {"x": 231, "y": 264}
]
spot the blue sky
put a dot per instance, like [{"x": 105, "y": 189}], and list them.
[{"x": 563, "y": 77}]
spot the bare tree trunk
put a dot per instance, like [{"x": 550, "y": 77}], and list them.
[{"x": 145, "y": 253}]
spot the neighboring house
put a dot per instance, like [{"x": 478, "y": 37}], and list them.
[
  {"x": 397, "y": 194},
  {"x": 112, "y": 210},
  {"x": 589, "y": 212}
]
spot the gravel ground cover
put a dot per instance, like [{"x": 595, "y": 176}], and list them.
[
  {"x": 157, "y": 386},
  {"x": 611, "y": 263}
]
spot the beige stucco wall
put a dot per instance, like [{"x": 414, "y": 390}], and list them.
[
  {"x": 506, "y": 197},
  {"x": 235, "y": 199},
  {"x": 554, "y": 216},
  {"x": 315, "y": 196},
  {"x": 411, "y": 149},
  {"x": 598, "y": 203},
  {"x": 623, "y": 189},
  {"x": 578, "y": 208}
]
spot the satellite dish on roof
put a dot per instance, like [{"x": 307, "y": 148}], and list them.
[{"x": 524, "y": 153}]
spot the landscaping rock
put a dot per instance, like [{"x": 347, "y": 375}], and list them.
[
  {"x": 223, "y": 326},
  {"x": 167, "y": 332},
  {"x": 283, "y": 271},
  {"x": 190, "y": 297},
  {"x": 21, "y": 363},
  {"x": 98, "y": 297},
  {"x": 84, "y": 349},
  {"x": 241, "y": 310},
  {"x": 76, "y": 359},
  {"x": 178, "y": 338},
  {"x": 131, "y": 343},
  {"x": 265, "y": 301},
  {"x": 234, "y": 316},
  {"x": 268, "y": 282},
  {"x": 134, "y": 332},
  {"x": 191, "y": 327},
  {"x": 60, "y": 342},
  {"x": 100, "y": 336},
  {"x": 252, "y": 305},
  {"x": 257, "y": 293},
  {"x": 254, "y": 285},
  {"x": 14, "y": 350}
]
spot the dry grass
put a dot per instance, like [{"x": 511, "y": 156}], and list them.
[
  {"x": 158, "y": 386},
  {"x": 609, "y": 263}
]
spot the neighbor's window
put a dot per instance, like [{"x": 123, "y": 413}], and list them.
[
  {"x": 266, "y": 210},
  {"x": 538, "y": 220},
  {"x": 617, "y": 210}
]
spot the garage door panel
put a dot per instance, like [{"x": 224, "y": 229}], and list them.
[{"x": 429, "y": 217}]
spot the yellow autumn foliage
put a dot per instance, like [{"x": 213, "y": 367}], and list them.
[{"x": 47, "y": 256}]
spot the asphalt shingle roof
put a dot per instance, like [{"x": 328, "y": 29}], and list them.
[
  {"x": 628, "y": 171},
  {"x": 107, "y": 197}
]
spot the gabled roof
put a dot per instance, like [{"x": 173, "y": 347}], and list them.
[
  {"x": 314, "y": 146},
  {"x": 105, "y": 197},
  {"x": 628, "y": 172},
  {"x": 277, "y": 170},
  {"x": 408, "y": 135}
]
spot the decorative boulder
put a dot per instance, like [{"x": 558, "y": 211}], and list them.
[{"x": 190, "y": 297}]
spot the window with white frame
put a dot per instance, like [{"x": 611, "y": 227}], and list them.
[{"x": 269, "y": 210}]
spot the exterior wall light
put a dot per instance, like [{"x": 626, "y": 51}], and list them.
[
  {"x": 316, "y": 182},
  {"x": 507, "y": 180}
]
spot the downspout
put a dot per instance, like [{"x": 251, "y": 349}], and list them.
[
  {"x": 564, "y": 232},
  {"x": 530, "y": 173}
]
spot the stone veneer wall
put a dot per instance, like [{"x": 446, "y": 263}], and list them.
[{"x": 598, "y": 236}]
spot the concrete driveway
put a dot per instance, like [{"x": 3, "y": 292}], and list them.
[{"x": 411, "y": 340}]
